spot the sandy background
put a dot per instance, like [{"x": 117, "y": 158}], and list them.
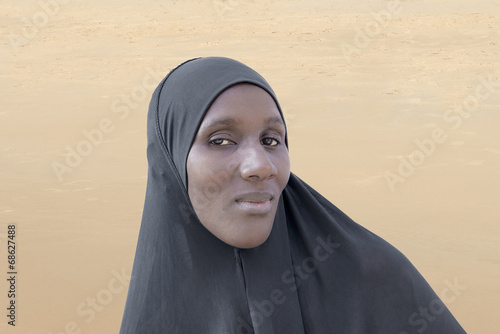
[{"x": 351, "y": 117}]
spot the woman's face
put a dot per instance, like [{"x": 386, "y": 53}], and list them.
[{"x": 238, "y": 166}]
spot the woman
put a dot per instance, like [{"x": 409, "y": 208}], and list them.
[{"x": 232, "y": 242}]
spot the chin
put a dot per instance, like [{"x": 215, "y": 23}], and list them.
[
  {"x": 251, "y": 239},
  {"x": 247, "y": 244}
]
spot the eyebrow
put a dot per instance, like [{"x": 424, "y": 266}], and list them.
[
  {"x": 231, "y": 121},
  {"x": 273, "y": 120},
  {"x": 218, "y": 122}
]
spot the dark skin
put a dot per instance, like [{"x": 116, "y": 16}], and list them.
[{"x": 238, "y": 165}]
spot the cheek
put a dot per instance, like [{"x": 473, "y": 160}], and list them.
[
  {"x": 196, "y": 174},
  {"x": 283, "y": 166},
  {"x": 206, "y": 176}
]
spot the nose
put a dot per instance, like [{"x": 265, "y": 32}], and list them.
[{"x": 256, "y": 164}]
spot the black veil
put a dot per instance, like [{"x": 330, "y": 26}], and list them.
[{"x": 318, "y": 272}]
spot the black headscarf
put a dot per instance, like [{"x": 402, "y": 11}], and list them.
[{"x": 318, "y": 272}]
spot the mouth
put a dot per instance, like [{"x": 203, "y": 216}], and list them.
[{"x": 255, "y": 202}]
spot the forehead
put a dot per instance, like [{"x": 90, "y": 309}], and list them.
[{"x": 243, "y": 102}]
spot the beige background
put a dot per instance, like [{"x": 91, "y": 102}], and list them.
[{"x": 350, "y": 119}]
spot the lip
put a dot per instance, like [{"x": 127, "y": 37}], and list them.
[{"x": 259, "y": 202}]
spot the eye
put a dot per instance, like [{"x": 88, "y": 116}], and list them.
[
  {"x": 269, "y": 141},
  {"x": 221, "y": 142}
]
